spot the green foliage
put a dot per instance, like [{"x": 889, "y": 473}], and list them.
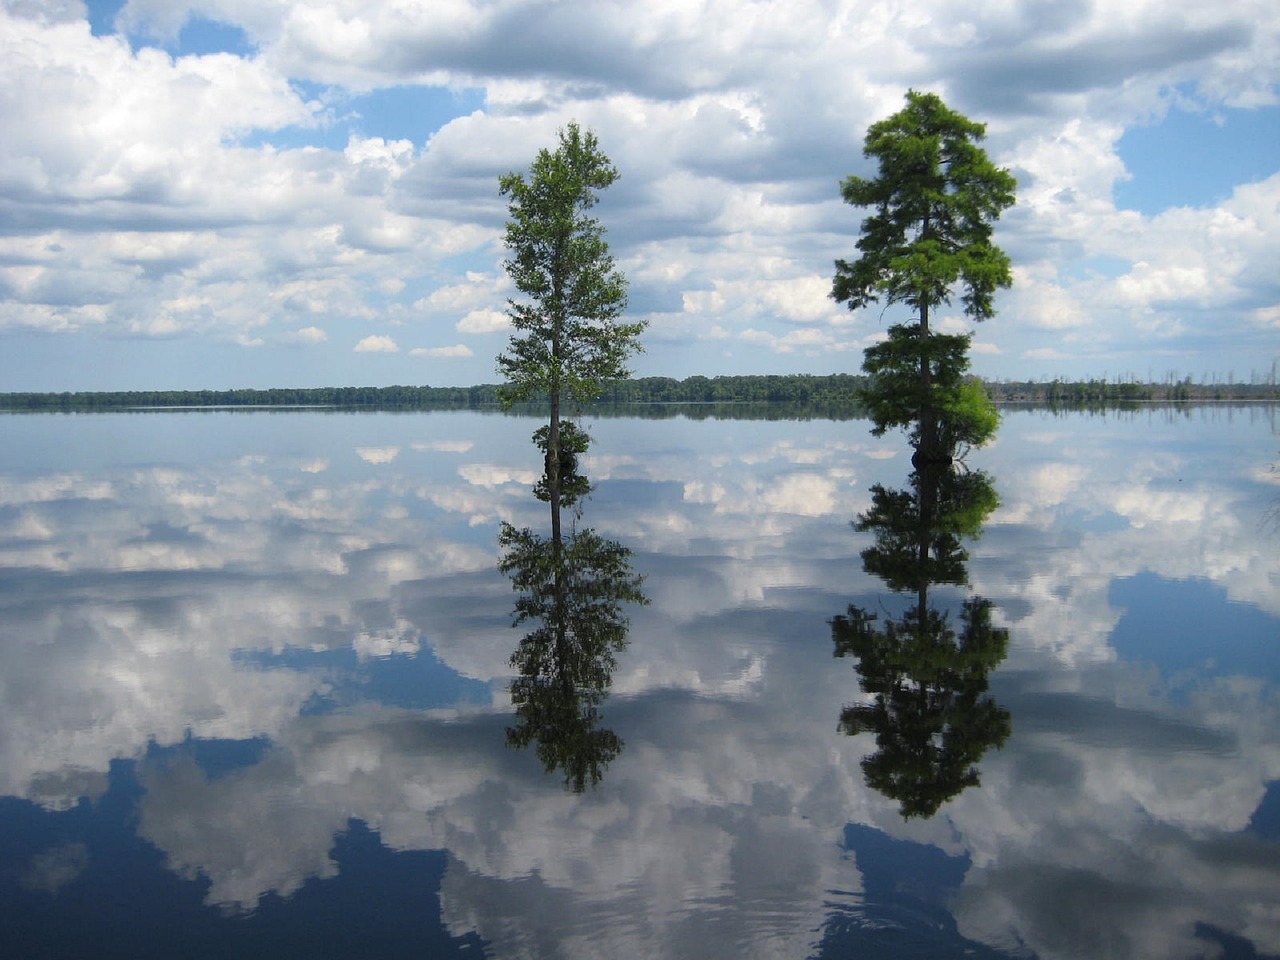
[
  {"x": 931, "y": 717},
  {"x": 968, "y": 417},
  {"x": 367, "y": 398},
  {"x": 836, "y": 396},
  {"x": 897, "y": 393},
  {"x": 934, "y": 203},
  {"x": 574, "y": 592},
  {"x": 897, "y": 396},
  {"x": 574, "y": 485},
  {"x": 569, "y": 338}
]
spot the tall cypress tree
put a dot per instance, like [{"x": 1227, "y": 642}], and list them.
[{"x": 933, "y": 207}]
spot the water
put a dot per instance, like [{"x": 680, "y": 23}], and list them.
[{"x": 254, "y": 693}]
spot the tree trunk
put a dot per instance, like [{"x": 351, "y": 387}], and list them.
[
  {"x": 553, "y": 427},
  {"x": 552, "y": 466},
  {"x": 929, "y": 444}
]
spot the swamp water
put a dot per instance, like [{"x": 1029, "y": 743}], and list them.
[{"x": 255, "y": 674}]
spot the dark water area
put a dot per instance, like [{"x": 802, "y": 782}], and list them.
[{"x": 256, "y": 690}]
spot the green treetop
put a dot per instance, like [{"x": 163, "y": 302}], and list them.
[{"x": 934, "y": 204}]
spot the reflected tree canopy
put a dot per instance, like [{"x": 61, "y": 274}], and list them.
[
  {"x": 573, "y": 484},
  {"x": 573, "y": 589},
  {"x": 927, "y": 672}
]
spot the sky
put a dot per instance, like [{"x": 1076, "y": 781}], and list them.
[{"x": 213, "y": 194}]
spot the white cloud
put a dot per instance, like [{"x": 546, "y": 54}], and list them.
[
  {"x": 377, "y": 454},
  {"x": 377, "y": 343},
  {"x": 455, "y": 351},
  {"x": 308, "y": 335},
  {"x": 484, "y": 321}
]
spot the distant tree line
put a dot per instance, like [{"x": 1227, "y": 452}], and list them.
[
  {"x": 835, "y": 390},
  {"x": 840, "y": 388},
  {"x": 832, "y": 396},
  {"x": 382, "y": 398},
  {"x": 1095, "y": 391}
]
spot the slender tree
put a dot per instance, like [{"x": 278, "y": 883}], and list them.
[
  {"x": 575, "y": 595},
  {"x": 933, "y": 205},
  {"x": 569, "y": 338}
]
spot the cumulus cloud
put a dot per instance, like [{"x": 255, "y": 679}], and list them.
[
  {"x": 484, "y": 321},
  {"x": 259, "y": 194},
  {"x": 308, "y": 335},
  {"x": 377, "y": 343}
]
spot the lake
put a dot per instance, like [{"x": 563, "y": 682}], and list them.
[{"x": 257, "y": 688}]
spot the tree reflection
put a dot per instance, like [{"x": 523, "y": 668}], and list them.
[
  {"x": 931, "y": 715},
  {"x": 574, "y": 589}
]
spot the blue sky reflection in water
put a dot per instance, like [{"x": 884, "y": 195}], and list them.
[{"x": 208, "y": 737}]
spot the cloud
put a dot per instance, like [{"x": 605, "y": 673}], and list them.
[
  {"x": 338, "y": 172},
  {"x": 308, "y": 335},
  {"x": 377, "y": 454},
  {"x": 376, "y": 343},
  {"x": 457, "y": 350},
  {"x": 484, "y": 321}
]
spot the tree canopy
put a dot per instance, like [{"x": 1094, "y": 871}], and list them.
[{"x": 933, "y": 204}]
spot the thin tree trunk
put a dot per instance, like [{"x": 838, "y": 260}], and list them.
[
  {"x": 553, "y": 428},
  {"x": 928, "y": 412},
  {"x": 553, "y": 467}
]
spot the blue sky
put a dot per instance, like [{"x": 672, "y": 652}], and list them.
[{"x": 218, "y": 193}]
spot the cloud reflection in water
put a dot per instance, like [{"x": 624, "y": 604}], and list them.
[{"x": 166, "y": 598}]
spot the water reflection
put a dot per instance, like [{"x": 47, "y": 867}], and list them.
[
  {"x": 574, "y": 587},
  {"x": 246, "y": 682},
  {"x": 930, "y": 714}
]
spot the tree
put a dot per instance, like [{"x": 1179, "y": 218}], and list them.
[
  {"x": 933, "y": 204},
  {"x": 575, "y": 593},
  {"x": 569, "y": 337},
  {"x": 931, "y": 714}
]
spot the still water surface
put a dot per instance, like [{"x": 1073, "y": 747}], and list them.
[{"x": 255, "y": 687}]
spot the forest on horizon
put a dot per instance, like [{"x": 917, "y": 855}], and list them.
[{"x": 831, "y": 392}]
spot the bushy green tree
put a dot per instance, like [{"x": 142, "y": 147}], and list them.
[
  {"x": 933, "y": 207},
  {"x": 932, "y": 716}
]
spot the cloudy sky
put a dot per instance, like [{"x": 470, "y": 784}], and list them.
[{"x": 228, "y": 193}]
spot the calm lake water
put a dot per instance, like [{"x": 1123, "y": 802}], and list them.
[{"x": 255, "y": 674}]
